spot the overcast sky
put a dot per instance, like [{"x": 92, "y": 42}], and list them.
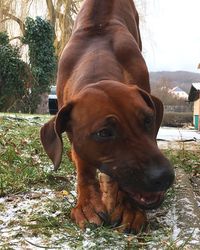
[{"x": 171, "y": 35}]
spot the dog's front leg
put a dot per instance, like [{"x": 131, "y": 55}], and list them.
[
  {"x": 89, "y": 208},
  {"x": 124, "y": 214}
]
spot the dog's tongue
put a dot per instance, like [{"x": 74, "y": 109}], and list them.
[{"x": 146, "y": 198}]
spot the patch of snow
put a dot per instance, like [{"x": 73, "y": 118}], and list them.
[
  {"x": 2, "y": 200},
  {"x": 88, "y": 244},
  {"x": 188, "y": 208},
  {"x": 177, "y": 134},
  {"x": 171, "y": 220},
  {"x": 19, "y": 208}
]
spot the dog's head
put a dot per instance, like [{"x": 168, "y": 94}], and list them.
[{"x": 113, "y": 127}]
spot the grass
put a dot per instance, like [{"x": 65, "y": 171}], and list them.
[
  {"x": 23, "y": 163},
  {"x": 188, "y": 160},
  {"x": 25, "y": 169}
]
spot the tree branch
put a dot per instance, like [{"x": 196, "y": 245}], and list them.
[
  {"x": 16, "y": 37},
  {"x": 16, "y": 19},
  {"x": 4, "y": 20},
  {"x": 51, "y": 11}
]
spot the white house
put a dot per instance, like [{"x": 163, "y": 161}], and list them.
[{"x": 178, "y": 92}]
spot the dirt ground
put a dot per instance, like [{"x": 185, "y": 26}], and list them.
[
  {"x": 186, "y": 205},
  {"x": 194, "y": 177}
]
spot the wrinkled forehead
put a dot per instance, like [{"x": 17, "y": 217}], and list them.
[
  {"x": 96, "y": 104},
  {"x": 92, "y": 105}
]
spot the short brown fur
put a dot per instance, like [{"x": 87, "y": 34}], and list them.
[{"x": 111, "y": 119}]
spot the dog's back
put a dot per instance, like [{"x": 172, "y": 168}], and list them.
[
  {"x": 105, "y": 44},
  {"x": 95, "y": 16}
]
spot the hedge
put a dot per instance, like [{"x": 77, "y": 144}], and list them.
[{"x": 177, "y": 119}]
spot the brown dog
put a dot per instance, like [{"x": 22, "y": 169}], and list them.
[{"x": 110, "y": 117}]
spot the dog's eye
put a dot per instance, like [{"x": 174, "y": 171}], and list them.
[
  {"x": 148, "y": 122},
  {"x": 103, "y": 134}
]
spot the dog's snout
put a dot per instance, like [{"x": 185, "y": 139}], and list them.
[
  {"x": 162, "y": 180},
  {"x": 160, "y": 177}
]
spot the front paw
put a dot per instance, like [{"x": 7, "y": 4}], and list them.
[
  {"x": 89, "y": 209},
  {"x": 128, "y": 218},
  {"x": 123, "y": 213}
]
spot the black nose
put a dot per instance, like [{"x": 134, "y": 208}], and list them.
[{"x": 159, "y": 177}]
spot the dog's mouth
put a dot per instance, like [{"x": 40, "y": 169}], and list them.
[{"x": 147, "y": 200}]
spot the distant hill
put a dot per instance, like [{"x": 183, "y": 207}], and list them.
[{"x": 182, "y": 79}]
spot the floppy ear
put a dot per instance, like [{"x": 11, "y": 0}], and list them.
[
  {"x": 51, "y": 134},
  {"x": 155, "y": 103},
  {"x": 159, "y": 111}
]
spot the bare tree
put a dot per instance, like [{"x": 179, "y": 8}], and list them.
[
  {"x": 60, "y": 13},
  {"x": 161, "y": 90},
  {"x": 13, "y": 12}
]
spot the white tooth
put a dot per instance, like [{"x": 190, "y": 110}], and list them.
[{"x": 142, "y": 199}]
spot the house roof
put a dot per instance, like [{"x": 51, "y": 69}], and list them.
[
  {"x": 177, "y": 89},
  {"x": 194, "y": 92}
]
